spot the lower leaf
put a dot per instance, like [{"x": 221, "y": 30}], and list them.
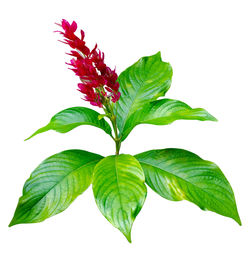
[
  {"x": 54, "y": 185},
  {"x": 119, "y": 190},
  {"x": 177, "y": 174}
]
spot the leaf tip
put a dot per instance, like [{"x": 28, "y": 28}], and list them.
[
  {"x": 127, "y": 232},
  {"x": 41, "y": 130},
  {"x": 128, "y": 236},
  {"x": 213, "y": 119},
  {"x": 12, "y": 223},
  {"x": 238, "y": 220},
  {"x": 29, "y": 137},
  {"x": 158, "y": 54},
  {"x": 32, "y": 135}
]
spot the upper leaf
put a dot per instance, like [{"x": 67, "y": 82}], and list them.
[
  {"x": 163, "y": 112},
  {"x": 70, "y": 118},
  {"x": 54, "y": 185},
  {"x": 119, "y": 190},
  {"x": 176, "y": 174},
  {"x": 144, "y": 81}
]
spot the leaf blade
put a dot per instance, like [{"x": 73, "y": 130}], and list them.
[
  {"x": 54, "y": 185},
  {"x": 144, "y": 81},
  {"x": 70, "y": 118},
  {"x": 164, "y": 112},
  {"x": 177, "y": 174},
  {"x": 119, "y": 190}
]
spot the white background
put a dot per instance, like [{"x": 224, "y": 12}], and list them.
[{"x": 207, "y": 44}]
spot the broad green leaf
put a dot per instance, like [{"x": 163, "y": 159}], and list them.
[
  {"x": 163, "y": 112},
  {"x": 119, "y": 190},
  {"x": 54, "y": 185},
  {"x": 144, "y": 81},
  {"x": 70, "y": 118},
  {"x": 176, "y": 174}
]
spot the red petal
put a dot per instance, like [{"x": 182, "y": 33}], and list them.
[{"x": 73, "y": 26}]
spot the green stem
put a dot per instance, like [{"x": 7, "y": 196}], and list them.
[
  {"x": 116, "y": 138},
  {"x": 112, "y": 118}
]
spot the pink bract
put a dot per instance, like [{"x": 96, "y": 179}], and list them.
[{"x": 98, "y": 81}]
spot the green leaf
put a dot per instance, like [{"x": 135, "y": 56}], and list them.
[
  {"x": 54, "y": 185},
  {"x": 119, "y": 190},
  {"x": 70, "y": 118},
  {"x": 176, "y": 174},
  {"x": 144, "y": 81},
  {"x": 163, "y": 112}
]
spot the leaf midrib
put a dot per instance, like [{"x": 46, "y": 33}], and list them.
[{"x": 117, "y": 180}]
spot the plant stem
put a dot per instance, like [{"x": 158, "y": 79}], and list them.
[
  {"x": 116, "y": 138},
  {"x": 112, "y": 118}
]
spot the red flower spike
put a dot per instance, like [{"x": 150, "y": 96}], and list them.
[{"x": 98, "y": 80}]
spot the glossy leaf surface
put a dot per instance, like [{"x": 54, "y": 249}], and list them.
[
  {"x": 70, "y": 118},
  {"x": 119, "y": 190},
  {"x": 163, "y": 112},
  {"x": 177, "y": 174},
  {"x": 54, "y": 185},
  {"x": 144, "y": 81}
]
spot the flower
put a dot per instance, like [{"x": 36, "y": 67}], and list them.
[{"x": 98, "y": 82}]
